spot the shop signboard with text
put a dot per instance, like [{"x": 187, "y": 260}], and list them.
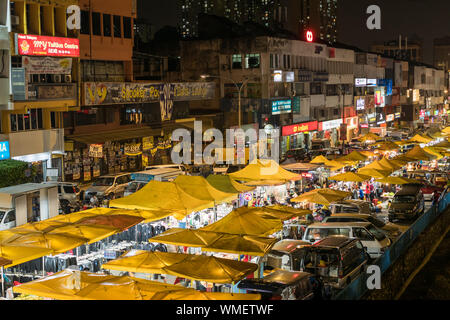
[
  {"x": 360, "y": 104},
  {"x": 328, "y": 125},
  {"x": 281, "y": 106},
  {"x": 47, "y": 65},
  {"x": 19, "y": 84},
  {"x": 103, "y": 93},
  {"x": 300, "y": 127},
  {"x": 34, "y": 45},
  {"x": 4, "y": 150}
]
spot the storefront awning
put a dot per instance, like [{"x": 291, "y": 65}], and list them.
[
  {"x": 190, "y": 266},
  {"x": 117, "y": 135}
]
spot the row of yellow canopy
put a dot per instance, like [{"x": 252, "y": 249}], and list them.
[
  {"x": 66, "y": 232},
  {"x": 80, "y": 285}
]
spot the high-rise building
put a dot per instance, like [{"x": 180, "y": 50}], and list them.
[
  {"x": 410, "y": 49},
  {"x": 441, "y": 54},
  {"x": 320, "y": 16},
  {"x": 295, "y": 16},
  {"x": 265, "y": 12}
]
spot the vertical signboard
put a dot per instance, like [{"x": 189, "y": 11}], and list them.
[{"x": 19, "y": 84}]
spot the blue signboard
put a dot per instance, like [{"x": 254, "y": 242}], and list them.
[
  {"x": 386, "y": 83},
  {"x": 4, "y": 150},
  {"x": 19, "y": 84},
  {"x": 142, "y": 177},
  {"x": 281, "y": 106}
]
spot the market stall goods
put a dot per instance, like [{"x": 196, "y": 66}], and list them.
[
  {"x": 189, "y": 266},
  {"x": 78, "y": 285}
]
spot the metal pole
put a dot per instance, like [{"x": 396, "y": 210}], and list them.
[
  {"x": 43, "y": 266},
  {"x": 3, "y": 283}
]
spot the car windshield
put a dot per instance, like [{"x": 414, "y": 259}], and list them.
[
  {"x": 377, "y": 233},
  {"x": 376, "y": 222},
  {"x": 104, "y": 182},
  {"x": 135, "y": 186},
  {"x": 404, "y": 199},
  {"x": 69, "y": 189},
  {"x": 2, "y": 214}
]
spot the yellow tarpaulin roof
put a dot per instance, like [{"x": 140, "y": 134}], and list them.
[
  {"x": 255, "y": 183},
  {"x": 189, "y": 266},
  {"x": 398, "y": 180},
  {"x": 418, "y": 153},
  {"x": 227, "y": 184},
  {"x": 217, "y": 241},
  {"x": 354, "y": 156},
  {"x": 319, "y": 160},
  {"x": 199, "y": 188},
  {"x": 301, "y": 166},
  {"x": 376, "y": 173},
  {"x": 322, "y": 196},
  {"x": 392, "y": 164},
  {"x": 260, "y": 221},
  {"x": 420, "y": 138},
  {"x": 62, "y": 233},
  {"x": 335, "y": 165},
  {"x": 264, "y": 170},
  {"x": 378, "y": 166},
  {"x": 78, "y": 285},
  {"x": 350, "y": 176},
  {"x": 165, "y": 196},
  {"x": 446, "y": 130},
  {"x": 434, "y": 152},
  {"x": 442, "y": 144},
  {"x": 386, "y": 145},
  {"x": 369, "y": 137}
]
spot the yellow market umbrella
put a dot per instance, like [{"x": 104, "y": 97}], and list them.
[
  {"x": 420, "y": 138},
  {"x": 294, "y": 211},
  {"x": 190, "y": 266},
  {"x": 335, "y": 165},
  {"x": 369, "y": 137},
  {"x": 375, "y": 172},
  {"x": 225, "y": 183},
  {"x": 350, "y": 176},
  {"x": 443, "y": 144},
  {"x": 392, "y": 164},
  {"x": 255, "y": 183},
  {"x": 367, "y": 153},
  {"x": 80, "y": 285},
  {"x": 165, "y": 196},
  {"x": 398, "y": 180},
  {"x": 217, "y": 241},
  {"x": 322, "y": 196},
  {"x": 319, "y": 160},
  {"x": 434, "y": 152},
  {"x": 378, "y": 165},
  {"x": 417, "y": 153},
  {"x": 260, "y": 170},
  {"x": 386, "y": 146},
  {"x": 446, "y": 130},
  {"x": 199, "y": 188},
  {"x": 260, "y": 221},
  {"x": 354, "y": 156}
]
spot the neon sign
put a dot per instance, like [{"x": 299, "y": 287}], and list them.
[{"x": 309, "y": 36}]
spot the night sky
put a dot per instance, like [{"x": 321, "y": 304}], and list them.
[{"x": 428, "y": 19}]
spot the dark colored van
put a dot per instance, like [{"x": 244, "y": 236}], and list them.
[
  {"x": 284, "y": 285},
  {"x": 408, "y": 203}
]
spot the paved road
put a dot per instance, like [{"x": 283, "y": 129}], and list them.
[{"x": 433, "y": 281}]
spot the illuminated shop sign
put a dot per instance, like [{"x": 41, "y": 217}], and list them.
[
  {"x": 360, "y": 104},
  {"x": 33, "y": 45},
  {"x": 278, "y": 76},
  {"x": 328, "y": 125},
  {"x": 360, "y": 82},
  {"x": 397, "y": 115},
  {"x": 390, "y": 117},
  {"x": 371, "y": 83},
  {"x": 300, "y": 127},
  {"x": 4, "y": 150},
  {"x": 281, "y": 106}
]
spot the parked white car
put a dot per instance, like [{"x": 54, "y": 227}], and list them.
[{"x": 373, "y": 239}]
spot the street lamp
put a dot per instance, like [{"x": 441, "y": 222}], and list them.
[{"x": 239, "y": 88}]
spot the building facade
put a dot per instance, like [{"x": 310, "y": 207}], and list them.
[{"x": 405, "y": 49}]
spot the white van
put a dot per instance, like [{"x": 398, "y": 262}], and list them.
[
  {"x": 140, "y": 179},
  {"x": 374, "y": 240}
]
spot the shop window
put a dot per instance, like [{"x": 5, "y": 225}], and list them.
[
  {"x": 335, "y": 112},
  {"x": 96, "y": 24},
  {"x": 252, "y": 61},
  {"x": 316, "y": 88},
  {"x": 300, "y": 89},
  {"x": 85, "y": 22},
  {"x": 131, "y": 115},
  {"x": 127, "y": 27},
  {"x": 332, "y": 90},
  {"x": 271, "y": 61},
  {"x": 236, "y": 61},
  {"x": 28, "y": 121},
  {"x": 117, "y": 27},
  {"x": 106, "y": 25}
]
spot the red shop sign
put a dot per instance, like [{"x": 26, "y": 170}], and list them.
[
  {"x": 300, "y": 127},
  {"x": 32, "y": 45}
]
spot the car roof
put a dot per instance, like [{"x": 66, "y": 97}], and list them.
[
  {"x": 338, "y": 224},
  {"x": 409, "y": 189},
  {"x": 289, "y": 245},
  {"x": 334, "y": 241}
]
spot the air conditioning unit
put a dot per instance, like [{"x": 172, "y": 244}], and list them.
[
  {"x": 67, "y": 78},
  {"x": 56, "y": 78},
  {"x": 15, "y": 20}
]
